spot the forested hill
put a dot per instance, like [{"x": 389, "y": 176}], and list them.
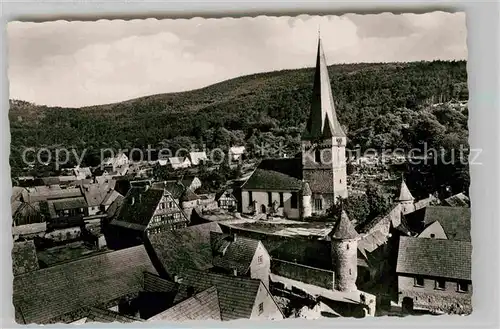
[{"x": 380, "y": 105}]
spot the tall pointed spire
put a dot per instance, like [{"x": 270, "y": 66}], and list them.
[
  {"x": 405, "y": 194},
  {"x": 322, "y": 122}
]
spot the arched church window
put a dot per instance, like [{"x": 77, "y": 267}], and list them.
[{"x": 347, "y": 247}]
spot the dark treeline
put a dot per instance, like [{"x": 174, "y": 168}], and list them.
[{"x": 380, "y": 106}]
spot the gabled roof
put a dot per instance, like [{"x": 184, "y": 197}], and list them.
[
  {"x": 96, "y": 194},
  {"x": 202, "y": 306},
  {"x": 232, "y": 252},
  {"x": 184, "y": 248},
  {"x": 343, "y": 229},
  {"x": 276, "y": 174},
  {"x": 454, "y": 220},
  {"x": 107, "y": 316},
  {"x": 44, "y": 295},
  {"x": 236, "y": 294},
  {"x": 138, "y": 207},
  {"x": 404, "y": 192},
  {"x": 24, "y": 258},
  {"x": 228, "y": 191},
  {"x": 434, "y": 257},
  {"x": 322, "y": 122},
  {"x": 177, "y": 160},
  {"x": 237, "y": 150}
]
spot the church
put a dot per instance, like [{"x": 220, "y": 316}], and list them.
[{"x": 310, "y": 183}]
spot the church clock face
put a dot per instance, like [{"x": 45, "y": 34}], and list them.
[{"x": 339, "y": 141}]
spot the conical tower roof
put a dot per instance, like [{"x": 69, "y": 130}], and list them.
[
  {"x": 405, "y": 194},
  {"x": 322, "y": 122},
  {"x": 343, "y": 229}
]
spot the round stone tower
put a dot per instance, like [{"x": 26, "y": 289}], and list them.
[
  {"x": 306, "y": 201},
  {"x": 344, "y": 244}
]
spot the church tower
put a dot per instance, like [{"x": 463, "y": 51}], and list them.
[
  {"x": 344, "y": 244},
  {"x": 406, "y": 199},
  {"x": 323, "y": 143}
]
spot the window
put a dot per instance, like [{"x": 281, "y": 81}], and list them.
[
  {"x": 261, "y": 308},
  {"x": 317, "y": 156},
  {"x": 340, "y": 181},
  {"x": 269, "y": 198},
  {"x": 440, "y": 285},
  {"x": 462, "y": 286},
  {"x": 433, "y": 235},
  {"x": 318, "y": 204},
  {"x": 347, "y": 246},
  {"x": 350, "y": 272},
  {"x": 419, "y": 282},
  {"x": 282, "y": 203},
  {"x": 259, "y": 259},
  {"x": 294, "y": 200},
  {"x": 250, "y": 198}
]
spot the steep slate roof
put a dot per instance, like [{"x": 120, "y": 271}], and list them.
[
  {"x": 232, "y": 252},
  {"x": 343, "y": 229},
  {"x": 434, "y": 257},
  {"x": 404, "y": 192},
  {"x": 236, "y": 294},
  {"x": 322, "y": 122},
  {"x": 202, "y": 306},
  {"x": 184, "y": 248},
  {"x": 24, "y": 258},
  {"x": 138, "y": 215},
  {"x": 276, "y": 174},
  {"x": 454, "y": 220},
  {"x": 44, "y": 295},
  {"x": 107, "y": 316}
]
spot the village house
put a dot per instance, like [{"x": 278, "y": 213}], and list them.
[
  {"x": 226, "y": 200},
  {"x": 198, "y": 158},
  {"x": 240, "y": 256},
  {"x": 310, "y": 183},
  {"x": 145, "y": 211},
  {"x": 112, "y": 164},
  {"x": 236, "y": 152},
  {"x": 179, "y": 162},
  {"x": 434, "y": 275},
  {"x": 191, "y": 182},
  {"x": 82, "y": 173}
]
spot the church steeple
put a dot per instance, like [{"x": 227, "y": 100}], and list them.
[
  {"x": 322, "y": 122},
  {"x": 404, "y": 192}
]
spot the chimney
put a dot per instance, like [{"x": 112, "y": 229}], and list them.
[{"x": 235, "y": 272}]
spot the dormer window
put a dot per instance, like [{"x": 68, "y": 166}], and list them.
[
  {"x": 419, "y": 282},
  {"x": 462, "y": 286}
]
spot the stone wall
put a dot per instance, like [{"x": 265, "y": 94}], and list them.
[{"x": 315, "y": 276}]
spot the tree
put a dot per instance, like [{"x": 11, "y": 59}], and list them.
[{"x": 378, "y": 201}]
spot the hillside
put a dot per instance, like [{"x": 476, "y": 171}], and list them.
[{"x": 376, "y": 103}]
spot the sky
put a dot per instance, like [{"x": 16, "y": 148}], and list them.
[{"x": 75, "y": 64}]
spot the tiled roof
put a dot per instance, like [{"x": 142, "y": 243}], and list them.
[
  {"x": 184, "y": 248},
  {"x": 175, "y": 188},
  {"x": 322, "y": 122},
  {"x": 434, "y": 257},
  {"x": 96, "y": 194},
  {"x": 458, "y": 200},
  {"x": 114, "y": 208},
  {"x": 24, "y": 257},
  {"x": 69, "y": 203},
  {"x": 232, "y": 252},
  {"x": 276, "y": 174},
  {"x": 107, "y": 316},
  {"x": 236, "y": 294},
  {"x": 454, "y": 220},
  {"x": 202, "y": 306},
  {"x": 154, "y": 283},
  {"x": 46, "y": 294},
  {"x": 344, "y": 229},
  {"x": 189, "y": 196},
  {"x": 371, "y": 241},
  {"x": 139, "y": 206}
]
